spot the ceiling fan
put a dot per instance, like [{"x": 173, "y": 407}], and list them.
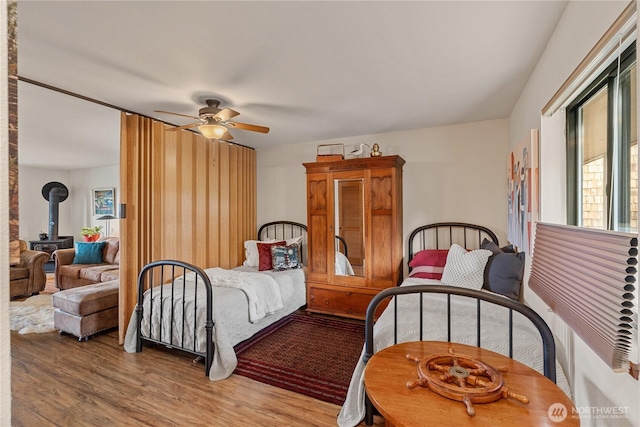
[{"x": 214, "y": 121}]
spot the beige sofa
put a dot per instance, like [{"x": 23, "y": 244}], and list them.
[
  {"x": 69, "y": 275},
  {"x": 26, "y": 275}
]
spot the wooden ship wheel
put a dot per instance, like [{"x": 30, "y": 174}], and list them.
[{"x": 461, "y": 378}]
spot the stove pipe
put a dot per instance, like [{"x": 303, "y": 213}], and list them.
[
  {"x": 55, "y": 193},
  {"x": 54, "y": 203}
]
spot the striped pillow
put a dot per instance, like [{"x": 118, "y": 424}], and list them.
[{"x": 428, "y": 263}]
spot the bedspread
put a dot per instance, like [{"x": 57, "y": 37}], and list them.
[
  {"x": 261, "y": 290},
  {"x": 526, "y": 338}
]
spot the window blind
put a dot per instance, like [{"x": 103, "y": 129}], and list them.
[{"x": 587, "y": 277}]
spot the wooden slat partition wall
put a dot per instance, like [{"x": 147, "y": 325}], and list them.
[
  {"x": 188, "y": 198},
  {"x": 587, "y": 277},
  {"x": 224, "y": 207},
  {"x": 135, "y": 178},
  {"x": 234, "y": 210}
]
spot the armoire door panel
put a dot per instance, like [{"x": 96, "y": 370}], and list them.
[
  {"x": 381, "y": 192},
  {"x": 382, "y": 249},
  {"x": 318, "y": 222},
  {"x": 318, "y": 245},
  {"x": 317, "y": 197}
]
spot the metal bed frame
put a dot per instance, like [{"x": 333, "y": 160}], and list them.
[
  {"x": 341, "y": 243},
  {"x": 165, "y": 272},
  {"x": 285, "y": 230},
  {"x": 290, "y": 229},
  {"x": 440, "y": 236},
  {"x": 282, "y": 230}
]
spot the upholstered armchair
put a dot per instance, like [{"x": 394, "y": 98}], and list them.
[{"x": 28, "y": 276}]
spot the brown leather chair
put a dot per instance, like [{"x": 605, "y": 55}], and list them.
[{"x": 27, "y": 276}]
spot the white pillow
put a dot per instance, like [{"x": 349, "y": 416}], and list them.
[
  {"x": 293, "y": 240},
  {"x": 252, "y": 258},
  {"x": 465, "y": 269}
]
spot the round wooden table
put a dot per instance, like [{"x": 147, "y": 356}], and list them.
[{"x": 388, "y": 372}]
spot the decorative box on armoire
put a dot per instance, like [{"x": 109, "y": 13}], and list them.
[{"x": 354, "y": 220}]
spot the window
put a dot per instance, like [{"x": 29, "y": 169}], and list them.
[
  {"x": 602, "y": 150},
  {"x": 592, "y": 118}
]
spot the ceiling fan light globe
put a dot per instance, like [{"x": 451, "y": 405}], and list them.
[{"x": 211, "y": 131}]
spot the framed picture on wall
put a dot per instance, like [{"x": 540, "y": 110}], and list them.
[{"x": 104, "y": 200}]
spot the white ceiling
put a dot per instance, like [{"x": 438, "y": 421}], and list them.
[{"x": 310, "y": 71}]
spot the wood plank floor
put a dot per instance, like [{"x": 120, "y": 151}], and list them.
[{"x": 58, "y": 381}]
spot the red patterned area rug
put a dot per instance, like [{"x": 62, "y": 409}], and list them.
[{"x": 313, "y": 356}]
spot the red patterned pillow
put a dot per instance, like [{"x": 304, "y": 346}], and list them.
[
  {"x": 428, "y": 263},
  {"x": 264, "y": 254}
]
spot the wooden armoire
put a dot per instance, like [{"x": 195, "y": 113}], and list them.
[{"x": 359, "y": 200}]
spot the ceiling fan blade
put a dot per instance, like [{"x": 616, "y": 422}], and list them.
[
  {"x": 227, "y": 136},
  {"x": 176, "y": 114},
  {"x": 226, "y": 114},
  {"x": 184, "y": 126},
  {"x": 246, "y": 126}
]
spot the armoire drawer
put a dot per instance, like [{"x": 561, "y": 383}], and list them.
[{"x": 347, "y": 303}]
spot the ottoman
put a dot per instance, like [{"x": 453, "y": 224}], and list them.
[{"x": 86, "y": 310}]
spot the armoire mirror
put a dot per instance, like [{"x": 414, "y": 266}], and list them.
[{"x": 349, "y": 226}]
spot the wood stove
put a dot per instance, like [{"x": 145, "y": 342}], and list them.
[
  {"x": 54, "y": 193},
  {"x": 49, "y": 246}
]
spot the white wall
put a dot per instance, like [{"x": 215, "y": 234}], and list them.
[
  {"x": 34, "y": 208},
  {"x": 452, "y": 173},
  {"x": 84, "y": 181},
  {"x": 75, "y": 212},
  {"x": 579, "y": 29}
]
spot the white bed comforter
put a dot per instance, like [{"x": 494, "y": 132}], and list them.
[
  {"x": 244, "y": 302},
  {"x": 262, "y": 291},
  {"x": 494, "y": 334}
]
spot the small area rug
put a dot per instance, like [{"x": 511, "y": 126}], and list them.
[
  {"x": 33, "y": 315},
  {"x": 313, "y": 356}
]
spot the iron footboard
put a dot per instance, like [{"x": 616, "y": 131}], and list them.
[{"x": 165, "y": 273}]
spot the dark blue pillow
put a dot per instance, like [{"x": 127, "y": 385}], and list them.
[
  {"x": 88, "y": 252},
  {"x": 503, "y": 274},
  {"x": 504, "y": 270}
]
